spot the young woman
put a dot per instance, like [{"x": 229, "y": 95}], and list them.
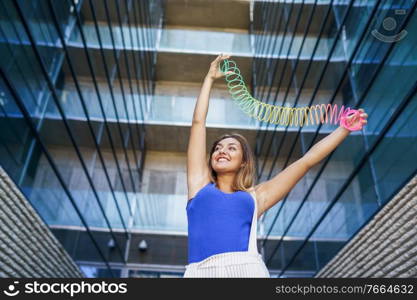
[{"x": 224, "y": 204}]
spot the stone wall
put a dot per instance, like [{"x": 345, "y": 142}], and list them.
[
  {"x": 27, "y": 246},
  {"x": 384, "y": 248}
]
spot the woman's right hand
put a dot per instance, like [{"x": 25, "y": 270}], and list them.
[{"x": 214, "y": 71}]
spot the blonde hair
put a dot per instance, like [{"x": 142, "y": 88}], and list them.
[{"x": 245, "y": 177}]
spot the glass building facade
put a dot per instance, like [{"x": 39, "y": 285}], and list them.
[
  {"x": 313, "y": 52},
  {"x": 76, "y": 82},
  {"x": 96, "y": 100}
]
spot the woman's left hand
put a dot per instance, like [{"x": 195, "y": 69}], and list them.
[{"x": 357, "y": 120}]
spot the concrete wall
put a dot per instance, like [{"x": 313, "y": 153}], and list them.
[
  {"x": 386, "y": 247},
  {"x": 27, "y": 246}
]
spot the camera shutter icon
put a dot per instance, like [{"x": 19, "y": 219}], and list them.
[
  {"x": 390, "y": 24},
  {"x": 12, "y": 291}
]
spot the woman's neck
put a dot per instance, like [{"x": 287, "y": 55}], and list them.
[{"x": 225, "y": 182}]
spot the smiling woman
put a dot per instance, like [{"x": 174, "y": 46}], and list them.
[
  {"x": 232, "y": 160},
  {"x": 224, "y": 204},
  {"x": 223, "y": 210}
]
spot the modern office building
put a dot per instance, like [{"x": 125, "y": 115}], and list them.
[{"x": 96, "y": 102}]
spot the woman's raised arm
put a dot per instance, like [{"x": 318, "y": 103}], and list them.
[
  {"x": 272, "y": 191},
  {"x": 197, "y": 169}
]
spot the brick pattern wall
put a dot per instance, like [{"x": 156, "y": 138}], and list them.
[
  {"x": 384, "y": 248},
  {"x": 27, "y": 246}
]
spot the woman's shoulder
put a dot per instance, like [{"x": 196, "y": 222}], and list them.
[
  {"x": 202, "y": 187},
  {"x": 251, "y": 191}
]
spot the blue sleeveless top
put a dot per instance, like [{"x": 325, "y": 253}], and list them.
[{"x": 218, "y": 222}]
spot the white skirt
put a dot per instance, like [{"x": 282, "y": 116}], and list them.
[{"x": 239, "y": 264}]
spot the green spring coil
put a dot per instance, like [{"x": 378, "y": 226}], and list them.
[{"x": 274, "y": 114}]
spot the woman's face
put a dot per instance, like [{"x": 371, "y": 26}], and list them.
[{"x": 227, "y": 156}]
